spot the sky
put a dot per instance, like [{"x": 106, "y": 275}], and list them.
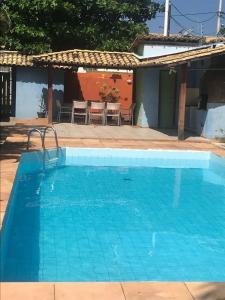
[{"x": 208, "y": 8}]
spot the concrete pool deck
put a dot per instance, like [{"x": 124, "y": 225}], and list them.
[
  {"x": 113, "y": 291},
  {"x": 14, "y": 144}
]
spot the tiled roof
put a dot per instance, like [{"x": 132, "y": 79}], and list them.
[
  {"x": 182, "y": 57},
  {"x": 175, "y": 39},
  {"x": 13, "y": 58},
  {"x": 214, "y": 39},
  {"x": 88, "y": 58},
  {"x": 160, "y": 38},
  {"x": 100, "y": 59}
]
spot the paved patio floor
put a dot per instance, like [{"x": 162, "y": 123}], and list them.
[
  {"x": 13, "y": 144},
  {"x": 125, "y": 132},
  {"x": 79, "y": 131}
]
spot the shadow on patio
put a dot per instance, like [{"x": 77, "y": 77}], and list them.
[{"x": 125, "y": 132}]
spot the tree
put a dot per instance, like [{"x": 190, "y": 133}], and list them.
[
  {"x": 4, "y": 21},
  {"x": 222, "y": 31},
  {"x": 44, "y": 25},
  {"x": 4, "y": 25}
]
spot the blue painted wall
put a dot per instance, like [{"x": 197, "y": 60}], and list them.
[
  {"x": 214, "y": 126},
  {"x": 209, "y": 123},
  {"x": 147, "y": 97},
  {"x": 31, "y": 85}
]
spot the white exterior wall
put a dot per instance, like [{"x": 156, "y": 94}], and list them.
[
  {"x": 147, "y": 97},
  {"x": 158, "y": 50}
]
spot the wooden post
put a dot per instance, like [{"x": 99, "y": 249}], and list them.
[
  {"x": 50, "y": 80},
  {"x": 182, "y": 101},
  {"x": 134, "y": 83}
]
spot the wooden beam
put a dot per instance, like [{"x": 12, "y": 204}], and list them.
[
  {"x": 134, "y": 92},
  {"x": 182, "y": 101},
  {"x": 134, "y": 86},
  {"x": 50, "y": 100}
]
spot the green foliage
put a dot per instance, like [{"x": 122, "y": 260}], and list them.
[
  {"x": 222, "y": 31},
  {"x": 4, "y": 22},
  {"x": 43, "y": 105},
  {"x": 44, "y": 25},
  {"x": 109, "y": 94}
]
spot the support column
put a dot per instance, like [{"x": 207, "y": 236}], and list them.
[
  {"x": 182, "y": 101},
  {"x": 50, "y": 106},
  {"x": 134, "y": 83}
]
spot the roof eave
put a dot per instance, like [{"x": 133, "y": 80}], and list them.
[
  {"x": 77, "y": 65},
  {"x": 181, "y": 62}
]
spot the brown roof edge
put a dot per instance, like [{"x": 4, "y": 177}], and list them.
[
  {"x": 173, "y": 38},
  {"x": 84, "y": 51},
  {"x": 143, "y": 59},
  {"x": 14, "y": 58},
  {"x": 183, "y": 57},
  {"x": 110, "y": 60},
  {"x": 90, "y": 58}
]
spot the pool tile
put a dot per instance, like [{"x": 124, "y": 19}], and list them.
[
  {"x": 88, "y": 291},
  {"x": 136, "y": 242}
]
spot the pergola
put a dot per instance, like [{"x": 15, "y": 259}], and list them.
[
  {"x": 83, "y": 58},
  {"x": 184, "y": 60},
  {"x": 129, "y": 61}
]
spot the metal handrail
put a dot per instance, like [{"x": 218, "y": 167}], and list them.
[
  {"x": 42, "y": 133},
  {"x": 55, "y": 134},
  {"x": 29, "y": 135}
]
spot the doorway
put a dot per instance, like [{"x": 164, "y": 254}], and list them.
[
  {"x": 6, "y": 103},
  {"x": 167, "y": 99}
]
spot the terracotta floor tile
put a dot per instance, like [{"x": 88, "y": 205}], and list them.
[
  {"x": 207, "y": 290},
  {"x": 156, "y": 291},
  {"x": 88, "y": 291},
  {"x": 3, "y": 203},
  {"x": 27, "y": 291}
]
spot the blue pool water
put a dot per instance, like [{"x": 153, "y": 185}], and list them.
[{"x": 116, "y": 215}]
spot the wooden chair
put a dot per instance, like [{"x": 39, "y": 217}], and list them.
[
  {"x": 113, "y": 111},
  {"x": 62, "y": 109},
  {"x": 80, "y": 108},
  {"x": 97, "y": 109}
]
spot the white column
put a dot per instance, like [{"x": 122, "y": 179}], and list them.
[
  {"x": 219, "y": 17},
  {"x": 167, "y": 18}
]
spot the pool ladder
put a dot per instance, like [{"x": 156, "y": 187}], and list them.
[{"x": 42, "y": 132}]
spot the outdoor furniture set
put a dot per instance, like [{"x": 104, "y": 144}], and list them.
[{"x": 101, "y": 110}]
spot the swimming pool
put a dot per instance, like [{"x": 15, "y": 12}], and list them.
[{"x": 116, "y": 215}]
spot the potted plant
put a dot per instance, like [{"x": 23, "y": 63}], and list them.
[
  {"x": 109, "y": 94},
  {"x": 43, "y": 109}
]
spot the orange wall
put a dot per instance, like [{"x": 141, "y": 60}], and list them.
[{"x": 87, "y": 86}]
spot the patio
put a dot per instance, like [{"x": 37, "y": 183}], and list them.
[
  {"x": 80, "y": 131},
  {"x": 124, "y": 132}
]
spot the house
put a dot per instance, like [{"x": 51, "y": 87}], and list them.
[
  {"x": 25, "y": 82},
  {"x": 153, "y": 45},
  {"x": 157, "y": 86},
  {"x": 171, "y": 90}
]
